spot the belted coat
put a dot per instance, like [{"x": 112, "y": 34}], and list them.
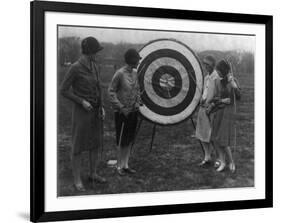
[{"x": 82, "y": 83}]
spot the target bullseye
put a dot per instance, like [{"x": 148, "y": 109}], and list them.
[{"x": 167, "y": 82}]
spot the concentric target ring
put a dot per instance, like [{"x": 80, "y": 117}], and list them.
[
  {"x": 171, "y": 81},
  {"x": 154, "y": 85}
]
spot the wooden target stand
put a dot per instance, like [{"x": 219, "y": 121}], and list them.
[{"x": 154, "y": 132}]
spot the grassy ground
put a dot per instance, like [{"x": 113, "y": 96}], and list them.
[{"x": 173, "y": 162}]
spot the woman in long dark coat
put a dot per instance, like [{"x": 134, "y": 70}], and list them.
[
  {"x": 81, "y": 85},
  {"x": 223, "y": 107}
]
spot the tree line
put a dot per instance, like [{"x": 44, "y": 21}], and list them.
[{"x": 69, "y": 51}]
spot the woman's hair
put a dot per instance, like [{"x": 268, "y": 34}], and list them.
[
  {"x": 210, "y": 59},
  {"x": 131, "y": 56},
  {"x": 223, "y": 67}
]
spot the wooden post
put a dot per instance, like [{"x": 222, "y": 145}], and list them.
[
  {"x": 152, "y": 138},
  {"x": 198, "y": 140}
]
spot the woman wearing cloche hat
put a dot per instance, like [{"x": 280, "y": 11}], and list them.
[{"x": 81, "y": 85}]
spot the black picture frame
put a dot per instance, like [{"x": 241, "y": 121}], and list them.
[{"x": 37, "y": 157}]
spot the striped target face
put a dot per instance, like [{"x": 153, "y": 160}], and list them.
[{"x": 171, "y": 81}]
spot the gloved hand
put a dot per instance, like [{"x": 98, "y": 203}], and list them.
[
  {"x": 102, "y": 113},
  {"x": 87, "y": 106},
  {"x": 225, "y": 100},
  {"x": 138, "y": 105},
  {"x": 202, "y": 101},
  {"x": 209, "y": 108},
  {"x": 125, "y": 111},
  {"x": 231, "y": 80}
]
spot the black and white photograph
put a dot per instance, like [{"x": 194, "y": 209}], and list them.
[
  {"x": 140, "y": 111},
  {"x": 147, "y": 110}
]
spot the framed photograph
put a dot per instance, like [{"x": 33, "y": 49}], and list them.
[{"x": 144, "y": 111}]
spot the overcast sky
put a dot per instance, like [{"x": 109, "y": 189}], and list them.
[{"x": 197, "y": 41}]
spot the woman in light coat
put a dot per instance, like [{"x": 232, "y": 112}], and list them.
[{"x": 124, "y": 94}]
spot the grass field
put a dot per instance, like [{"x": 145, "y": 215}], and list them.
[{"x": 173, "y": 162}]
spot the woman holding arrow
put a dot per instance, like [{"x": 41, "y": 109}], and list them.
[
  {"x": 223, "y": 106},
  {"x": 124, "y": 95},
  {"x": 81, "y": 85}
]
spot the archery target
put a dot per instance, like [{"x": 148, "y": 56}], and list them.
[{"x": 171, "y": 81}]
